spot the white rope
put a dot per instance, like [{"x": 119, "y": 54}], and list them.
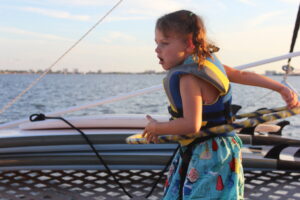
[
  {"x": 10, "y": 103},
  {"x": 108, "y": 100},
  {"x": 270, "y": 60},
  {"x": 266, "y": 61},
  {"x": 159, "y": 87}
]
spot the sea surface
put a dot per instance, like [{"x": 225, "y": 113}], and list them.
[{"x": 57, "y": 92}]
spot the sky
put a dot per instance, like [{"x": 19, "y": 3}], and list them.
[{"x": 35, "y": 33}]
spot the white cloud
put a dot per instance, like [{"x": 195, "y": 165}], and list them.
[
  {"x": 149, "y": 9},
  {"x": 291, "y": 1},
  {"x": 12, "y": 30},
  {"x": 71, "y": 2},
  {"x": 250, "y": 45},
  {"x": 126, "y": 18},
  {"x": 220, "y": 4},
  {"x": 85, "y": 2},
  {"x": 248, "y": 2},
  {"x": 261, "y": 19},
  {"x": 56, "y": 13},
  {"x": 116, "y": 37}
]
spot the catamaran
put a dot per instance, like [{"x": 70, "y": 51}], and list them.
[{"x": 105, "y": 159}]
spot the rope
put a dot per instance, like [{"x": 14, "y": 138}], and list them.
[
  {"x": 260, "y": 112},
  {"x": 162, "y": 172},
  {"x": 138, "y": 139},
  {"x": 10, "y": 103},
  {"x": 39, "y": 117}
]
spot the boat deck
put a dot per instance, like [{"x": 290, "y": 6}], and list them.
[{"x": 97, "y": 185}]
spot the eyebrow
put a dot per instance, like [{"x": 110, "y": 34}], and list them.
[{"x": 164, "y": 38}]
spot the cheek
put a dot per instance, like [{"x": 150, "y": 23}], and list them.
[{"x": 181, "y": 54}]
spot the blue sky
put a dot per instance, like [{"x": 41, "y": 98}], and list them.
[{"x": 34, "y": 33}]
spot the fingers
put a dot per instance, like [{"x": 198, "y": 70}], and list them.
[
  {"x": 146, "y": 130},
  {"x": 150, "y": 137},
  {"x": 144, "y": 133},
  {"x": 149, "y": 117},
  {"x": 149, "y": 131},
  {"x": 293, "y": 101},
  {"x": 290, "y": 97},
  {"x": 155, "y": 139}
]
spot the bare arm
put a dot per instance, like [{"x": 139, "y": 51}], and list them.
[
  {"x": 192, "y": 112},
  {"x": 251, "y": 78}
]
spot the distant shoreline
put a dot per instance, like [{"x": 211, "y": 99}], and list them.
[
  {"x": 100, "y": 72},
  {"x": 75, "y": 72}
]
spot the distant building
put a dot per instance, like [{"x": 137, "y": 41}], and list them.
[
  {"x": 270, "y": 72},
  {"x": 75, "y": 71},
  {"x": 65, "y": 71},
  {"x": 149, "y": 72}
]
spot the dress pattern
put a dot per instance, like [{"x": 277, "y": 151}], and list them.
[{"x": 214, "y": 172}]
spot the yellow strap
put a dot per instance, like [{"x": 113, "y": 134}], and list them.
[
  {"x": 135, "y": 139},
  {"x": 219, "y": 74}
]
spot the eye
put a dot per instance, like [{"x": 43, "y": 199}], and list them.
[{"x": 163, "y": 43}]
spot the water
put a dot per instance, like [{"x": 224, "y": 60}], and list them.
[{"x": 57, "y": 91}]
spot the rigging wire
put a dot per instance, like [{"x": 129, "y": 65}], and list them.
[
  {"x": 295, "y": 33},
  {"x": 10, "y": 103},
  {"x": 288, "y": 68}
]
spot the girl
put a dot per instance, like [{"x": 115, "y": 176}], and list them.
[{"x": 198, "y": 88}]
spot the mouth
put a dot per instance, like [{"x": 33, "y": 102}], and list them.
[{"x": 161, "y": 60}]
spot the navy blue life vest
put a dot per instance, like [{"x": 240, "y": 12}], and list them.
[{"x": 213, "y": 72}]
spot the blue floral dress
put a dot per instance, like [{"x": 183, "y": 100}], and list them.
[{"x": 214, "y": 172}]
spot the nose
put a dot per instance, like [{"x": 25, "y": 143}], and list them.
[{"x": 157, "y": 49}]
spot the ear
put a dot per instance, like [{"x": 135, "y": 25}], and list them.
[{"x": 190, "y": 46}]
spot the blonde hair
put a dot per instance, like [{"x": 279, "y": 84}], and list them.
[{"x": 185, "y": 23}]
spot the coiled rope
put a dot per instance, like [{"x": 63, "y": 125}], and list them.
[
  {"x": 279, "y": 113},
  {"x": 10, "y": 103}
]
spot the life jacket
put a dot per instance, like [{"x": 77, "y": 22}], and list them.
[{"x": 213, "y": 72}]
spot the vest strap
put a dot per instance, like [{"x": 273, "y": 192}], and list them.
[
  {"x": 186, "y": 157},
  {"x": 175, "y": 114},
  {"x": 227, "y": 112}
]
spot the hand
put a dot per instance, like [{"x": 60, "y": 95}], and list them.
[
  {"x": 149, "y": 131},
  {"x": 290, "y": 97}
]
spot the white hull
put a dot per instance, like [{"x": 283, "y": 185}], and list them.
[{"x": 51, "y": 144}]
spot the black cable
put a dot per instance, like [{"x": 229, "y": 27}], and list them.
[
  {"x": 40, "y": 117},
  {"x": 162, "y": 172},
  {"x": 295, "y": 33}
]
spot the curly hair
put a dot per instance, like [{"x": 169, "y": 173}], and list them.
[{"x": 185, "y": 23}]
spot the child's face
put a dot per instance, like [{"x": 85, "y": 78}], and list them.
[{"x": 171, "y": 51}]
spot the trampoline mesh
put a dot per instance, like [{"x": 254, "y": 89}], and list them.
[{"x": 97, "y": 185}]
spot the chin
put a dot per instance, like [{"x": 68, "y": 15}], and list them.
[{"x": 166, "y": 67}]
